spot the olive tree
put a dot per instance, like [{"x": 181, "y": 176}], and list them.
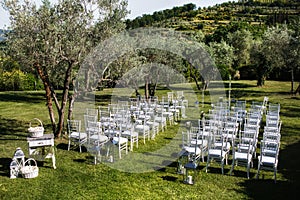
[
  {"x": 272, "y": 52},
  {"x": 223, "y": 55},
  {"x": 54, "y": 40},
  {"x": 241, "y": 41}
]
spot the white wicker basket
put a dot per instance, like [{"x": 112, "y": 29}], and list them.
[
  {"x": 29, "y": 171},
  {"x": 37, "y": 131}
]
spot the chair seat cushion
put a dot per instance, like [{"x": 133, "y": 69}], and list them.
[
  {"x": 129, "y": 133},
  {"x": 120, "y": 140},
  {"x": 267, "y": 160},
  {"x": 140, "y": 127},
  {"x": 160, "y": 119},
  {"x": 197, "y": 151},
  {"x": 226, "y": 145},
  {"x": 269, "y": 152},
  {"x": 78, "y": 135},
  {"x": 100, "y": 138},
  {"x": 111, "y": 132},
  {"x": 204, "y": 142},
  {"x": 216, "y": 153},
  {"x": 152, "y": 123},
  {"x": 242, "y": 156}
]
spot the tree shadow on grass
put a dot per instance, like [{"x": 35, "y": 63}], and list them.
[
  {"x": 266, "y": 188},
  {"x": 62, "y": 146},
  {"x": 5, "y": 166},
  {"x": 11, "y": 129},
  {"x": 169, "y": 178},
  {"x": 291, "y": 112},
  {"x": 239, "y": 85},
  {"x": 35, "y": 97}
]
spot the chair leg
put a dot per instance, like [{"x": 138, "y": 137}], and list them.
[
  {"x": 275, "y": 175},
  {"x": 207, "y": 163},
  {"x": 222, "y": 166},
  {"x": 248, "y": 170},
  {"x": 69, "y": 146},
  {"x": 257, "y": 175},
  {"x": 232, "y": 167}
]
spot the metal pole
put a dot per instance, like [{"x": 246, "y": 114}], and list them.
[{"x": 229, "y": 92}]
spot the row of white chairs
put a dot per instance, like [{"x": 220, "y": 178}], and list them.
[
  {"x": 122, "y": 124},
  {"x": 270, "y": 143},
  {"x": 235, "y": 131}
]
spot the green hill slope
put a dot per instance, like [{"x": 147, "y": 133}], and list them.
[{"x": 190, "y": 18}]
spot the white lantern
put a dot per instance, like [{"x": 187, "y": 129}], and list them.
[
  {"x": 17, "y": 163},
  {"x": 190, "y": 173}
]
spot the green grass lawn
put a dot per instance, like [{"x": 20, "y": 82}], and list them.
[{"x": 77, "y": 178}]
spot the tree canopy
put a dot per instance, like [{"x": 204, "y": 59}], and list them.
[{"x": 54, "y": 40}]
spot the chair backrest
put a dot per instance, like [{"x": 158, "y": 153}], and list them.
[
  {"x": 92, "y": 118},
  {"x": 271, "y": 137},
  {"x": 270, "y": 149},
  {"x": 194, "y": 132},
  {"x": 73, "y": 126},
  {"x": 179, "y": 94},
  {"x": 105, "y": 115},
  {"x": 249, "y": 137},
  {"x": 93, "y": 127},
  {"x": 170, "y": 96},
  {"x": 92, "y": 111},
  {"x": 274, "y": 108},
  {"x": 240, "y": 105},
  {"x": 187, "y": 138}
]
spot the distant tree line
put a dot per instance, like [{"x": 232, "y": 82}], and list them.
[{"x": 149, "y": 19}]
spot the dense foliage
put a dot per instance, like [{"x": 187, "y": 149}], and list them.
[{"x": 238, "y": 25}]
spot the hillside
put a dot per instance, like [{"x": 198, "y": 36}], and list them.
[{"x": 190, "y": 18}]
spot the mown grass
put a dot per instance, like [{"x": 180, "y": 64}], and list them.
[{"x": 77, "y": 178}]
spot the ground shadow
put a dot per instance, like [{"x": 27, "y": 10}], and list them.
[
  {"x": 288, "y": 166},
  {"x": 12, "y": 129},
  {"x": 169, "y": 178},
  {"x": 33, "y": 97},
  {"x": 5, "y": 166},
  {"x": 62, "y": 146}
]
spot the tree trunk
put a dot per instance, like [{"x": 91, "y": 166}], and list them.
[
  {"x": 146, "y": 88},
  {"x": 153, "y": 89},
  {"x": 298, "y": 89},
  {"x": 71, "y": 106},
  {"x": 292, "y": 82},
  {"x": 261, "y": 80},
  {"x": 196, "y": 81},
  {"x": 61, "y": 111},
  {"x": 47, "y": 87}
]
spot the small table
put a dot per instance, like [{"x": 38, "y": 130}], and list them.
[{"x": 35, "y": 143}]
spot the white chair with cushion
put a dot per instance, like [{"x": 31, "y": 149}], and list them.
[
  {"x": 96, "y": 139},
  {"x": 268, "y": 158},
  {"x": 76, "y": 137},
  {"x": 144, "y": 130},
  {"x": 121, "y": 142},
  {"x": 217, "y": 150},
  {"x": 242, "y": 153},
  {"x": 129, "y": 133}
]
